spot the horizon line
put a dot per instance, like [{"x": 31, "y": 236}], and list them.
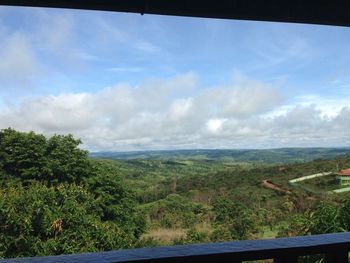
[{"x": 222, "y": 149}]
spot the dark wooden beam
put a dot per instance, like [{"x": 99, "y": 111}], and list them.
[{"x": 327, "y": 12}]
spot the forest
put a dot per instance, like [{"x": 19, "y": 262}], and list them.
[{"x": 55, "y": 198}]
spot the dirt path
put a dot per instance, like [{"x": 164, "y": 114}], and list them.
[{"x": 269, "y": 185}]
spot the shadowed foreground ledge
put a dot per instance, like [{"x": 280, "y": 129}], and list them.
[{"x": 334, "y": 246}]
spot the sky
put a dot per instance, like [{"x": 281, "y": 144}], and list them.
[{"x": 125, "y": 82}]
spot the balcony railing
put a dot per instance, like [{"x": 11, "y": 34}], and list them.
[{"x": 334, "y": 247}]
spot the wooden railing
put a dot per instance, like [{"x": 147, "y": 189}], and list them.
[{"x": 334, "y": 247}]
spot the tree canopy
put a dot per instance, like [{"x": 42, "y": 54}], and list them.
[
  {"x": 30, "y": 156},
  {"x": 55, "y": 200}
]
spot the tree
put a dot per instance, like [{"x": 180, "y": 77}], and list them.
[
  {"x": 22, "y": 155},
  {"x": 65, "y": 161},
  {"x": 55, "y": 200},
  {"x": 30, "y": 156},
  {"x": 117, "y": 202},
  {"x": 239, "y": 220},
  {"x": 43, "y": 220}
]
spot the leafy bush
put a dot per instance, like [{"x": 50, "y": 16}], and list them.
[
  {"x": 238, "y": 219},
  {"x": 176, "y": 211},
  {"x": 298, "y": 225},
  {"x": 192, "y": 236},
  {"x": 117, "y": 202},
  {"x": 41, "y": 220},
  {"x": 325, "y": 217},
  {"x": 55, "y": 200},
  {"x": 220, "y": 234}
]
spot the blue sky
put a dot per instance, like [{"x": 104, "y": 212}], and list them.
[{"x": 129, "y": 82}]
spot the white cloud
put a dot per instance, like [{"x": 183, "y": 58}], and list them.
[
  {"x": 179, "y": 109},
  {"x": 215, "y": 125},
  {"x": 328, "y": 106},
  {"x": 158, "y": 114},
  {"x": 247, "y": 98}
]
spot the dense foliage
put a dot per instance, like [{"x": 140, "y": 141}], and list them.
[
  {"x": 30, "y": 156},
  {"x": 54, "y": 199},
  {"x": 235, "y": 218},
  {"x": 40, "y": 220},
  {"x": 175, "y": 211}
]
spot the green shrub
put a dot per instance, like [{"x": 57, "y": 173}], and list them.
[
  {"x": 30, "y": 156},
  {"x": 239, "y": 220},
  {"x": 41, "y": 220},
  {"x": 176, "y": 211}
]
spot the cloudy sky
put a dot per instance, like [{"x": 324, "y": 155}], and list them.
[{"x": 130, "y": 82}]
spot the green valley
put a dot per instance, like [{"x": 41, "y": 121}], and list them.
[
  {"x": 182, "y": 196},
  {"x": 55, "y": 199}
]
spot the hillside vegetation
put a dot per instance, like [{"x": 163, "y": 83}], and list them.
[
  {"x": 211, "y": 200},
  {"x": 54, "y": 199},
  {"x": 270, "y": 156}
]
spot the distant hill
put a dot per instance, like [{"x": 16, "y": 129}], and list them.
[{"x": 282, "y": 155}]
